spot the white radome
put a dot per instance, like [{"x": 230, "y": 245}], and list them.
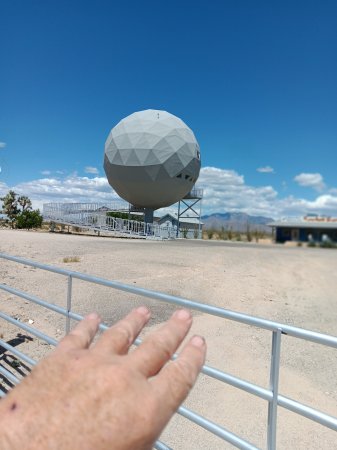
[{"x": 152, "y": 159}]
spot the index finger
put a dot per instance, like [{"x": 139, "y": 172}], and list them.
[{"x": 120, "y": 336}]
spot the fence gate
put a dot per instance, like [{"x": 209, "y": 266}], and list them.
[{"x": 277, "y": 330}]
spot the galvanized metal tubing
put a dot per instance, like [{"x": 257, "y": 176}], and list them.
[
  {"x": 278, "y": 329},
  {"x": 92, "y": 216}
]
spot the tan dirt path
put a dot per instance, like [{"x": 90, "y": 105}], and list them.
[{"x": 295, "y": 286}]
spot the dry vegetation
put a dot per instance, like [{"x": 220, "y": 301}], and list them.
[
  {"x": 231, "y": 235},
  {"x": 71, "y": 259}
]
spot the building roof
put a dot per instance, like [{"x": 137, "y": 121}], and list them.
[
  {"x": 304, "y": 224},
  {"x": 174, "y": 216}
]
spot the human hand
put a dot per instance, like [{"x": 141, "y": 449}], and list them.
[{"x": 99, "y": 396}]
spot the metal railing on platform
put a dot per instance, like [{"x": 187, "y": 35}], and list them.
[
  {"x": 271, "y": 395},
  {"x": 95, "y": 217}
]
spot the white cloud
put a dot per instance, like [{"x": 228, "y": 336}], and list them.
[
  {"x": 45, "y": 172},
  {"x": 224, "y": 190},
  {"x": 323, "y": 204},
  {"x": 266, "y": 169},
  {"x": 313, "y": 180},
  {"x": 2, "y": 144},
  {"x": 3, "y": 189},
  {"x": 72, "y": 189},
  {"x": 92, "y": 170}
]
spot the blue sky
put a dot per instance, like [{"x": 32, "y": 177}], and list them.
[{"x": 256, "y": 82}]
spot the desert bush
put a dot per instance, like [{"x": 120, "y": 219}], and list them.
[
  {"x": 258, "y": 235},
  {"x": 327, "y": 244},
  {"x": 29, "y": 219},
  {"x": 185, "y": 232},
  {"x": 222, "y": 233},
  {"x": 311, "y": 244},
  {"x": 70, "y": 259},
  {"x": 249, "y": 234},
  {"x": 210, "y": 233}
]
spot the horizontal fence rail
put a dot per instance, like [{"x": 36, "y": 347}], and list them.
[{"x": 277, "y": 329}]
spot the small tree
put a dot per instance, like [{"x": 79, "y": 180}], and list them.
[
  {"x": 24, "y": 217},
  {"x": 248, "y": 233},
  {"x": 185, "y": 232},
  {"x": 25, "y": 203},
  {"x": 10, "y": 206},
  {"x": 210, "y": 233},
  {"x": 222, "y": 233}
]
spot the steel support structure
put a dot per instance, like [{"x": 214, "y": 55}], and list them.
[{"x": 191, "y": 202}]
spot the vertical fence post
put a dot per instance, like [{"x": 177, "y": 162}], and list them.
[
  {"x": 273, "y": 385},
  {"x": 69, "y": 293}
]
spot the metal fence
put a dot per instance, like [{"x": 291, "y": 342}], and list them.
[
  {"x": 93, "y": 216},
  {"x": 271, "y": 395}
]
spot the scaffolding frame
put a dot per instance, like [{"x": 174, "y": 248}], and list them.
[{"x": 188, "y": 203}]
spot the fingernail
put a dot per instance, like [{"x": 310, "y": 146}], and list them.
[
  {"x": 198, "y": 341},
  {"x": 143, "y": 310},
  {"x": 93, "y": 316},
  {"x": 183, "y": 314}
]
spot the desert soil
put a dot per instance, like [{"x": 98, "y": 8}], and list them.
[{"x": 295, "y": 286}]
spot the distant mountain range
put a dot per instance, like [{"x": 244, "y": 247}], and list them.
[{"x": 236, "y": 221}]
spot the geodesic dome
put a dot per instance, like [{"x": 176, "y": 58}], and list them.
[{"x": 152, "y": 159}]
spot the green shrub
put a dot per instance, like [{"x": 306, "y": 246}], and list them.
[
  {"x": 210, "y": 233},
  {"x": 222, "y": 233},
  {"x": 311, "y": 244},
  {"x": 327, "y": 244},
  {"x": 29, "y": 219}
]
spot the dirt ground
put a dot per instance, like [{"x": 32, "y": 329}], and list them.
[{"x": 291, "y": 285}]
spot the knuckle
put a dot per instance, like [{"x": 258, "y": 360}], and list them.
[
  {"x": 185, "y": 373},
  {"x": 124, "y": 332},
  {"x": 162, "y": 346},
  {"x": 72, "y": 339}
]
